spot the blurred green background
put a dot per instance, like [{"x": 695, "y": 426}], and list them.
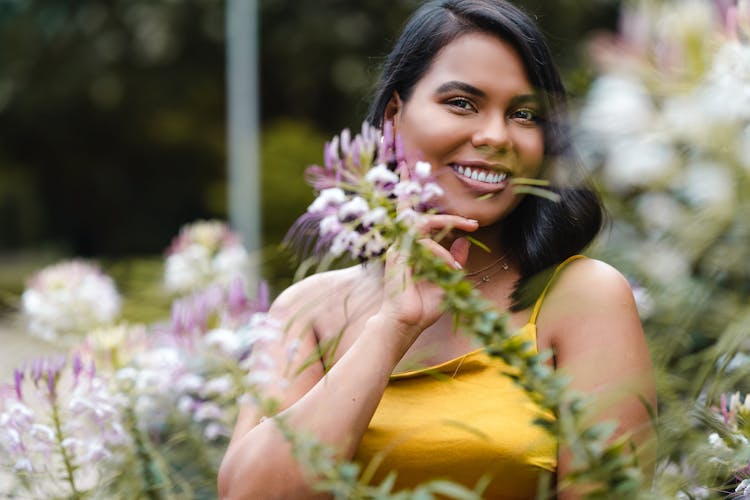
[{"x": 112, "y": 115}]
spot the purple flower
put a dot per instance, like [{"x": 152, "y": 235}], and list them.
[{"x": 68, "y": 415}]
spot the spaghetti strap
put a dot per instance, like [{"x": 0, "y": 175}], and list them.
[{"x": 538, "y": 304}]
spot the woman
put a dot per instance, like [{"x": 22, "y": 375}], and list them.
[{"x": 471, "y": 88}]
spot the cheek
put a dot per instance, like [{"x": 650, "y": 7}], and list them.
[{"x": 531, "y": 150}]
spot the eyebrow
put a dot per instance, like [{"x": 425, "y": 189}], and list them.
[{"x": 456, "y": 85}]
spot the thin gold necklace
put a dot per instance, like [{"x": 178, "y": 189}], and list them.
[{"x": 486, "y": 273}]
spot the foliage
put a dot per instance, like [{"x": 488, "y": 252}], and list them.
[{"x": 665, "y": 129}]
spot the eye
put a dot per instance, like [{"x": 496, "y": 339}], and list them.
[
  {"x": 461, "y": 103},
  {"x": 526, "y": 115}
]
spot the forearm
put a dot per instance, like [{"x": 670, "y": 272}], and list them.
[{"x": 336, "y": 411}]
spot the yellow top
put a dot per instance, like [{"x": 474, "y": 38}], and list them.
[{"x": 461, "y": 420}]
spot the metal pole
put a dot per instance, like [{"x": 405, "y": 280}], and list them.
[{"x": 243, "y": 127}]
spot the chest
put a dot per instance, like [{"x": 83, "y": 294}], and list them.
[{"x": 343, "y": 321}]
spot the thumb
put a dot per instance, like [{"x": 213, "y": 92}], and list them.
[{"x": 460, "y": 250}]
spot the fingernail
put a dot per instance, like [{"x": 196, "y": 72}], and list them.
[
  {"x": 473, "y": 220},
  {"x": 457, "y": 265}
]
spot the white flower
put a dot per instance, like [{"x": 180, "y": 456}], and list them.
[
  {"x": 717, "y": 442},
  {"x": 375, "y": 216},
  {"x": 665, "y": 264},
  {"x": 409, "y": 216},
  {"x": 330, "y": 225},
  {"x": 406, "y": 189},
  {"x": 204, "y": 253},
  {"x": 659, "y": 211},
  {"x": 375, "y": 245},
  {"x": 617, "y": 105},
  {"x": 331, "y": 197},
  {"x": 69, "y": 297},
  {"x": 381, "y": 176},
  {"x": 706, "y": 184},
  {"x": 638, "y": 162},
  {"x": 217, "y": 386},
  {"x": 229, "y": 263},
  {"x": 208, "y": 411},
  {"x": 643, "y": 302},
  {"x": 344, "y": 242},
  {"x": 215, "y": 430},
  {"x": 743, "y": 488},
  {"x": 187, "y": 270},
  {"x": 431, "y": 190},
  {"x": 423, "y": 170},
  {"x": 225, "y": 340},
  {"x": 353, "y": 208},
  {"x": 189, "y": 382}
]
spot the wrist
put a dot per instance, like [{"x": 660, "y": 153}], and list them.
[{"x": 390, "y": 335}]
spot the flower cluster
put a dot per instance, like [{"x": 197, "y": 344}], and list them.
[
  {"x": 669, "y": 131},
  {"x": 60, "y": 424},
  {"x": 204, "y": 253},
  {"x": 69, "y": 298},
  {"x": 666, "y": 127},
  {"x": 199, "y": 364},
  {"x": 366, "y": 189}
]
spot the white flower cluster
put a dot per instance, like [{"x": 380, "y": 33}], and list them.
[
  {"x": 61, "y": 416},
  {"x": 360, "y": 224},
  {"x": 201, "y": 377},
  {"x": 203, "y": 253},
  {"x": 668, "y": 130},
  {"x": 69, "y": 298}
]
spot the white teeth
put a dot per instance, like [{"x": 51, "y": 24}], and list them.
[{"x": 480, "y": 176}]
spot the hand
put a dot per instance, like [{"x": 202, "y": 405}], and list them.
[{"x": 413, "y": 306}]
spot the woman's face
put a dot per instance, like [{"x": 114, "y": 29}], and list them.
[{"x": 475, "y": 117}]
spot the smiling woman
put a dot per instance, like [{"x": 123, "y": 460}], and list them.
[{"x": 470, "y": 87}]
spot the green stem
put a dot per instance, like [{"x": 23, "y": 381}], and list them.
[
  {"x": 69, "y": 468},
  {"x": 151, "y": 477}
]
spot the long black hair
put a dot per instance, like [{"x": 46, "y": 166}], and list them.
[{"x": 539, "y": 233}]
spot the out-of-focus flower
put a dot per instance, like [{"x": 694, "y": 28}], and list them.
[
  {"x": 204, "y": 253},
  {"x": 363, "y": 187},
  {"x": 665, "y": 264},
  {"x": 69, "y": 298},
  {"x": 61, "y": 427},
  {"x": 115, "y": 345}
]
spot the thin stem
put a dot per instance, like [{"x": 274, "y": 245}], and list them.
[{"x": 69, "y": 468}]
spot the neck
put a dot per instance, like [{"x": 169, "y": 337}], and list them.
[{"x": 480, "y": 258}]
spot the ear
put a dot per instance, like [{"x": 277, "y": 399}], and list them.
[{"x": 393, "y": 109}]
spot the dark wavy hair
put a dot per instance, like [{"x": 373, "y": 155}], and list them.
[{"x": 539, "y": 233}]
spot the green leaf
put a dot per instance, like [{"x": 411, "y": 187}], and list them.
[
  {"x": 535, "y": 191},
  {"x": 452, "y": 490},
  {"x": 478, "y": 243},
  {"x": 529, "y": 181}
]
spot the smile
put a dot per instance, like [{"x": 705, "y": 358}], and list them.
[{"x": 480, "y": 174}]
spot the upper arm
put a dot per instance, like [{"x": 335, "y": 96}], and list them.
[
  {"x": 288, "y": 357},
  {"x": 599, "y": 343}
]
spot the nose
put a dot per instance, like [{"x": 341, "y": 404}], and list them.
[{"x": 493, "y": 133}]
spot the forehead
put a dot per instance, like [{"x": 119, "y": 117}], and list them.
[{"x": 481, "y": 59}]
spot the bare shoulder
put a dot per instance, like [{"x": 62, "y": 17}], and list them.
[
  {"x": 316, "y": 291},
  {"x": 590, "y": 298},
  {"x": 326, "y": 302}
]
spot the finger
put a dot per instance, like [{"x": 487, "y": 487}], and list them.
[
  {"x": 460, "y": 250},
  {"x": 441, "y": 252},
  {"x": 431, "y": 223}
]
